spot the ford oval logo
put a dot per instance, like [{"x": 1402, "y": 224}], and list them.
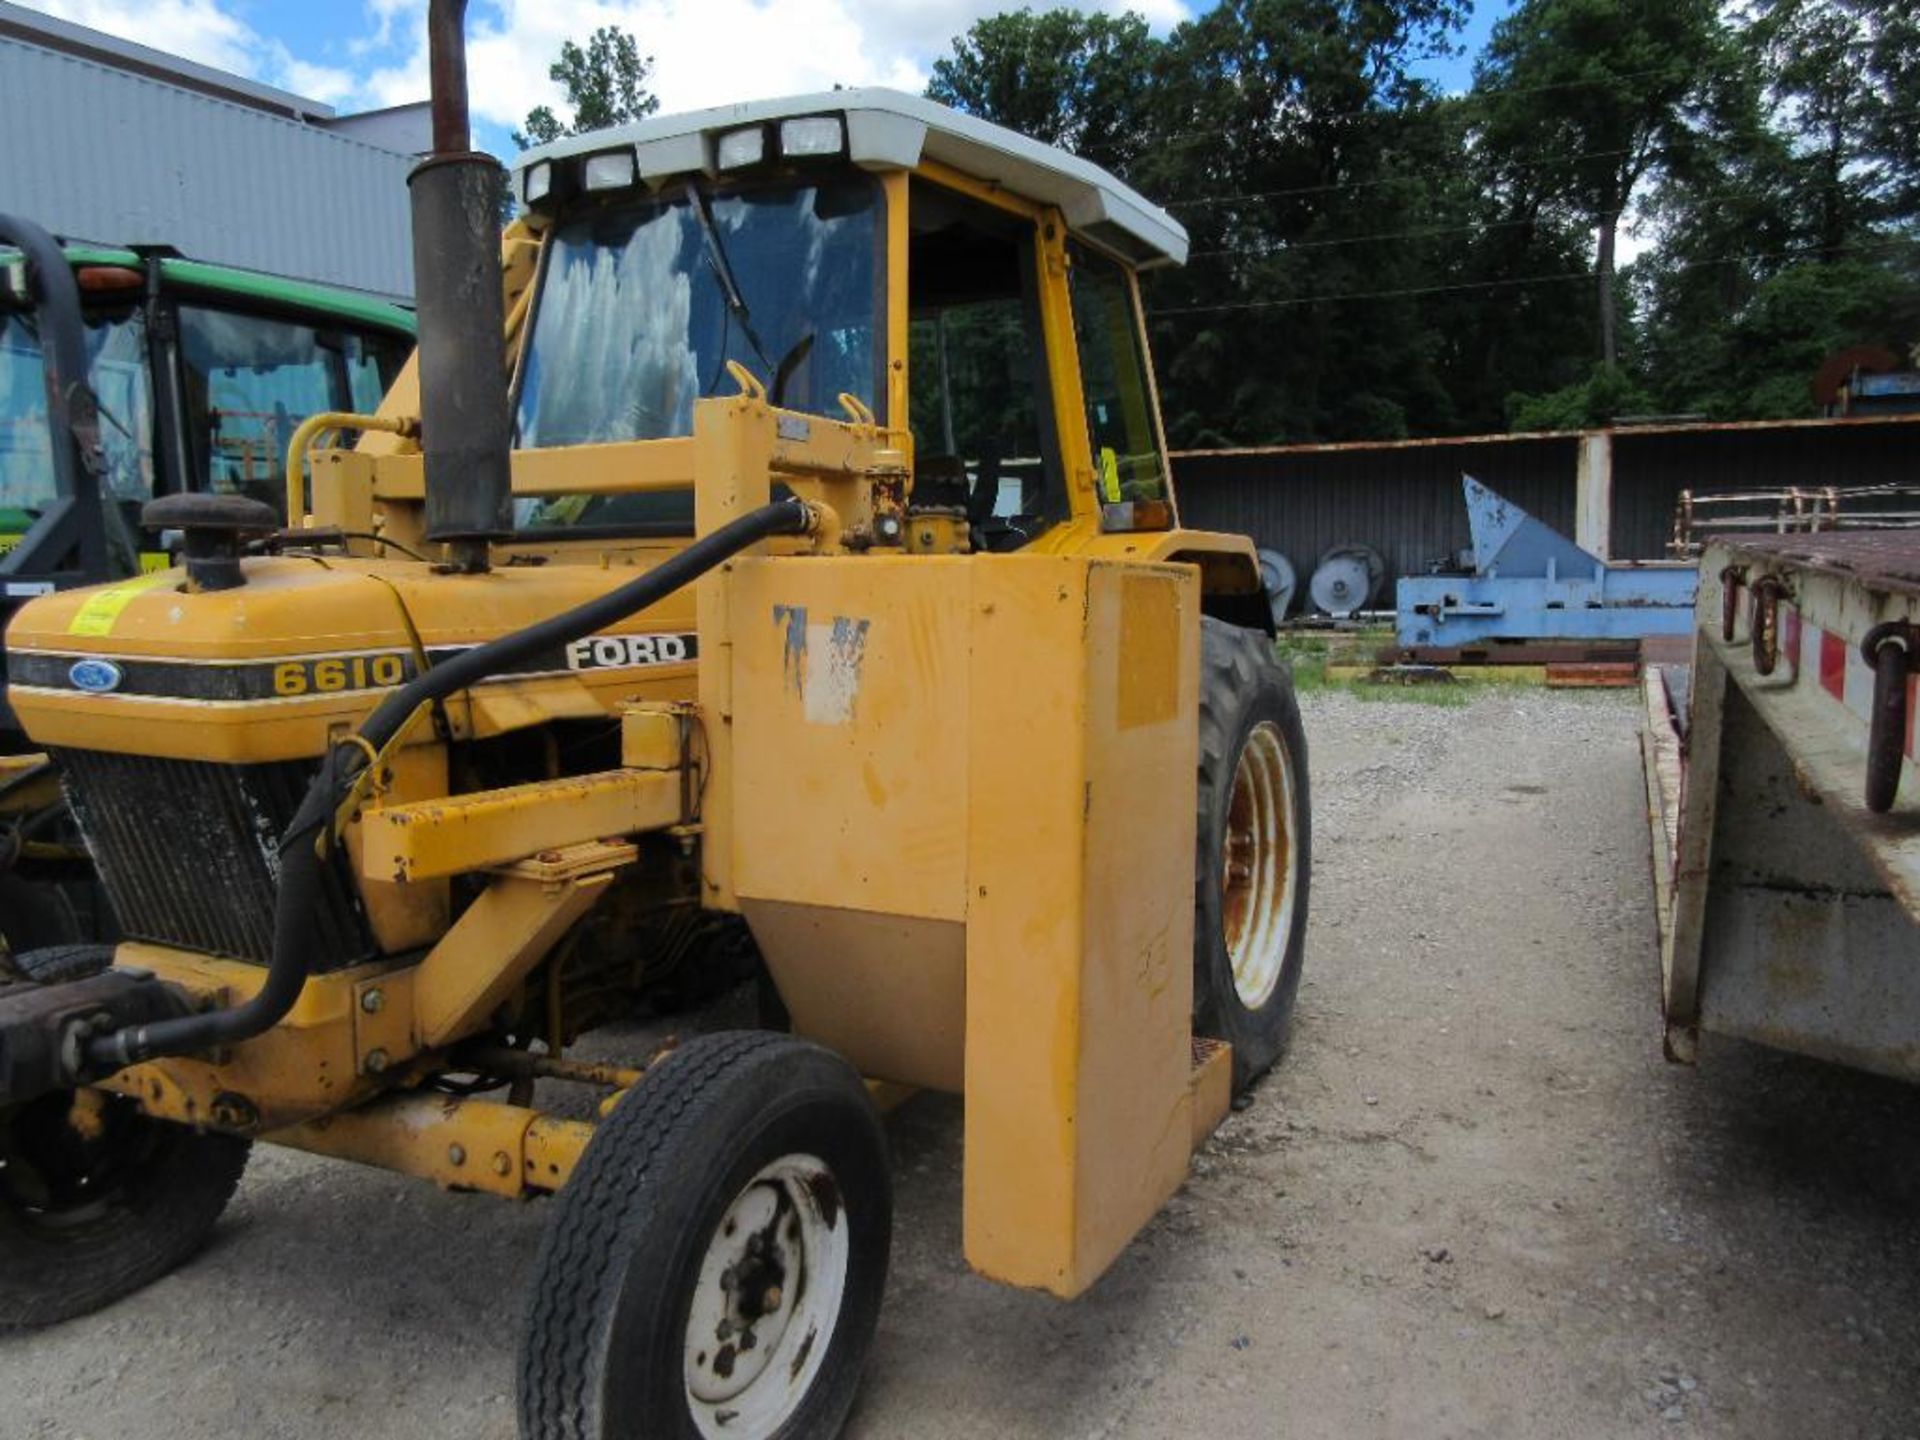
[{"x": 98, "y": 676}]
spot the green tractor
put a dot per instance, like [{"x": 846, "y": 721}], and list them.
[{"x": 127, "y": 375}]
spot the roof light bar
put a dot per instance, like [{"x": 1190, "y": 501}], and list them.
[
  {"x": 610, "y": 170},
  {"x": 740, "y": 148},
  {"x": 537, "y": 183},
  {"x": 812, "y": 136}
]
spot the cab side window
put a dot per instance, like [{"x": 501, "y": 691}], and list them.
[
  {"x": 980, "y": 407},
  {"x": 1127, "y": 462}
]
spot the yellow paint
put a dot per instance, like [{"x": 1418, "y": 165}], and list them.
[
  {"x": 428, "y": 839},
  {"x": 480, "y": 1145},
  {"x": 311, "y": 429},
  {"x": 1080, "y": 925},
  {"x": 491, "y": 948},
  {"x": 1012, "y": 901}
]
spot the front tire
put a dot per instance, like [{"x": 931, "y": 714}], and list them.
[
  {"x": 714, "y": 1268},
  {"x": 96, "y": 1199},
  {"x": 1254, "y": 856}
]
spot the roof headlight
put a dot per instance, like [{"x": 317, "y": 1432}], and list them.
[
  {"x": 610, "y": 170},
  {"x": 741, "y": 148},
  {"x": 537, "y": 183},
  {"x": 812, "y": 135}
]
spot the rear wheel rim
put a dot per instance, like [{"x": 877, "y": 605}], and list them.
[
  {"x": 1257, "y": 873},
  {"x": 767, "y": 1300}
]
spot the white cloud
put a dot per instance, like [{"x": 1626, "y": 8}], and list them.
[
  {"x": 195, "y": 29},
  {"x": 328, "y": 84},
  {"x": 706, "y": 52}
]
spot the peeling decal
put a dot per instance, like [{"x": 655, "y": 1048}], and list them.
[
  {"x": 820, "y": 663},
  {"x": 793, "y": 659},
  {"x": 834, "y": 656}
]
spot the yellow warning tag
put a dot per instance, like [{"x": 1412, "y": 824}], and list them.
[
  {"x": 95, "y": 617},
  {"x": 1110, "y": 474},
  {"x": 152, "y": 560}
]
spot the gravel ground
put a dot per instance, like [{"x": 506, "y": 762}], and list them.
[{"x": 1473, "y": 1201}]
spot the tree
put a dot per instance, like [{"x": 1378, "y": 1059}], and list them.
[
  {"x": 1593, "y": 97},
  {"x": 1082, "y": 82},
  {"x": 1320, "y": 184},
  {"x": 1844, "y": 79},
  {"x": 606, "y": 84},
  {"x": 1796, "y": 239}
]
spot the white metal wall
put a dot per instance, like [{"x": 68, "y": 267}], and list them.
[{"x": 98, "y": 154}]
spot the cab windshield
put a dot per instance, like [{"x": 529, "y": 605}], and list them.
[{"x": 643, "y": 305}]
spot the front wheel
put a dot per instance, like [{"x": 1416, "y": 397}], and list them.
[
  {"x": 714, "y": 1268},
  {"x": 97, "y": 1199},
  {"x": 1254, "y": 857}
]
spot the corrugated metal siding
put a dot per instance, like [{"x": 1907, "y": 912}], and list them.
[
  {"x": 1650, "y": 470},
  {"x": 1403, "y": 500},
  {"x": 97, "y": 154}
]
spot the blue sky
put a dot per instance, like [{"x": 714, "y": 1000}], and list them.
[{"x": 363, "y": 54}]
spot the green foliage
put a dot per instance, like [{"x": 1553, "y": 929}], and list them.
[
  {"x": 606, "y": 84},
  {"x": 1071, "y": 79},
  {"x": 1371, "y": 259},
  {"x": 1603, "y": 397},
  {"x": 1580, "y": 100}
]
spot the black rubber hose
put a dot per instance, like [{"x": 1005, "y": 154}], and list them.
[{"x": 300, "y": 860}]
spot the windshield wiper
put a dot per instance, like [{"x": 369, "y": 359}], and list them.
[{"x": 723, "y": 272}]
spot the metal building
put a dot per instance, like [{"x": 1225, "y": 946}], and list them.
[
  {"x": 112, "y": 142},
  {"x": 1613, "y": 491}
]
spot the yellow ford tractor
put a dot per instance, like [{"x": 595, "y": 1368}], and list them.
[{"x": 801, "y": 579}]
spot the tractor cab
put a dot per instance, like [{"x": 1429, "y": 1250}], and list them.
[{"x": 969, "y": 294}]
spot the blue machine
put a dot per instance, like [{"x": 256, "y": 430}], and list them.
[{"x": 1532, "y": 583}]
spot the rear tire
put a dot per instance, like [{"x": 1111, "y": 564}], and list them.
[
  {"x": 96, "y": 1199},
  {"x": 715, "y": 1266},
  {"x": 1254, "y": 856}
]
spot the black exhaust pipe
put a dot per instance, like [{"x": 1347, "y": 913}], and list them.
[{"x": 465, "y": 427}]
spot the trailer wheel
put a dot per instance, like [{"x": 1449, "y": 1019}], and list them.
[
  {"x": 96, "y": 1199},
  {"x": 1255, "y": 849},
  {"x": 714, "y": 1267}
]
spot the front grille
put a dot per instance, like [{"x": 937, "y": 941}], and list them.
[{"x": 185, "y": 850}]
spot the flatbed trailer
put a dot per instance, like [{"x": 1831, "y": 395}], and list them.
[{"x": 1785, "y": 811}]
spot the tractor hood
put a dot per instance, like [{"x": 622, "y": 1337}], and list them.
[{"x": 306, "y": 648}]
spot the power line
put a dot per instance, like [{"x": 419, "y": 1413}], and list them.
[
  {"x": 1284, "y": 247},
  {"x": 1560, "y": 277},
  {"x": 1194, "y": 137},
  {"x": 1468, "y": 97},
  {"x": 1888, "y": 113},
  {"x": 1188, "y": 200}
]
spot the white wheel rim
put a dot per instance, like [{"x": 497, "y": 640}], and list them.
[
  {"x": 768, "y": 1297},
  {"x": 1258, "y": 873}
]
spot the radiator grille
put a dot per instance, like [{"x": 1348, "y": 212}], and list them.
[{"x": 185, "y": 850}]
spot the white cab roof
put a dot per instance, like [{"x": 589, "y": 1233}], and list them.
[{"x": 887, "y": 130}]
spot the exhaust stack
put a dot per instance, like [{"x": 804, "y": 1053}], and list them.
[{"x": 464, "y": 422}]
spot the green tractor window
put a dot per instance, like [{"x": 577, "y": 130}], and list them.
[
  {"x": 250, "y": 380},
  {"x": 117, "y": 372}
]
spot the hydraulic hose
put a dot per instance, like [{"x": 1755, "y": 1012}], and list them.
[{"x": 301, "y": 860}]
